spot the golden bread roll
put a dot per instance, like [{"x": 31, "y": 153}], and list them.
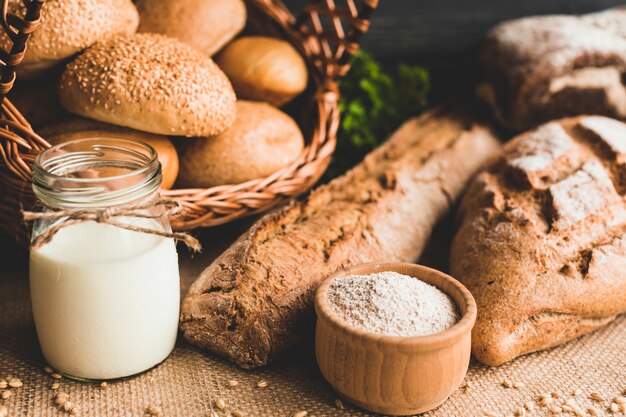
[
  {"x": 264, "y": 69},
  {"x": 68, "y": 27},
  {"x": 262, "y": 140},
  {"x": 204, "y": 24},
  {"x": 79, "y": 128},
  {"x": 152, "y": 83}
]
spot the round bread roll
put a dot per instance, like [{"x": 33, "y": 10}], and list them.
[
  {"x": 262, "y": 140},
  {"x": 68, "y": 27},
  {"x": 152, "y": 83},
  {"x": 204, "y": 24},
  {"x": 79, "y": 128},
  {"x": 264, "y": 69}
]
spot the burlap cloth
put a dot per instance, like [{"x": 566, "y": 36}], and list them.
[{"x": 189, "y": 381}]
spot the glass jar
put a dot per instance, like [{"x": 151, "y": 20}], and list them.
[{"x": 105, "y": 299}]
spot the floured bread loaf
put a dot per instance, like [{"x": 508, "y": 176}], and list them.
[
  {"x": 255, "y": 300},
  {"x": 542, "y": 239},
  {"x": 547, "y": 67}
]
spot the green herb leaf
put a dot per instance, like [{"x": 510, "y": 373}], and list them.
[{"x": 373, "y": 104}]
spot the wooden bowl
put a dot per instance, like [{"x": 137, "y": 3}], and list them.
[{"x": 393, "y": 374}]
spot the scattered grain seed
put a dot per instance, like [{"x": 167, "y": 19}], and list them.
[
  {"x": 104, "y": 384},
  {"x": 593, "y": 411},
  {"x": 153, "y": 411},
  {"x": 597, "y": 397},
  {"x": 238, "y": 413},
  {"x": 622, "y": 408},
  {"x": 301, "y": 413},
  {"x": 232, "y": 383},
  {"x": 619, "y": 400},
  {"x": 614, "y": 408},
  {"x": 546, "y": 400},
  {"x": 4, "y": 411},
  {"x": 554, "y": 394},
  {"x": 489, "y": 414},
  {"x": 520, "y": 412},
  {"x": 219, "y": 403},
  {"x": 555, "y": 409},
  {"x": 56, "y": 376},
  {"x": 339, "y": 404},
  {"x": 518, "y": 385},
  {"x": 6, "y": 394},
  {"x": 15, "y": 383},
  {"x": 48, "y": 370},
  {"x": 55, "y": 385},
  {"x": 507, "y": 384},
  {"x": 3, "y": 384},
  {"x": 529, "y": 406},
  {"x": 566, "y": 408},
  {"x": 578, "y": 412},
  {"x": 262, "y": 383},
  {"x": 68, "y": 405}
]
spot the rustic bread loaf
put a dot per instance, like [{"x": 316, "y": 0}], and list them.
[
  {"x": 207, "y": 25},
  {"x": 262, "y": 140},
  {"x": 68, "y": 27},
  {"x": 546, "y": 67},
  {"x": 152, "y": 83},
  {"x": 542, "y": 238},
  {"x": 255, "y": 299}
]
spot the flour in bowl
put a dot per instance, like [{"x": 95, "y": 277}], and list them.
[{"x": 392, "y": 304}]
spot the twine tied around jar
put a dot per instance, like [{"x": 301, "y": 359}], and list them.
[{"x": 108, "y": 216}]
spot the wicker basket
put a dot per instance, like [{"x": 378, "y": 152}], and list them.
[{"x": 327, "y": 33}]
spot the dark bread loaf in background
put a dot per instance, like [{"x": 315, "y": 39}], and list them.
[
  {"x": 542, "y": 239},
  {"x": 255, "y": 300},
  {"x": 547, "y": 67}
]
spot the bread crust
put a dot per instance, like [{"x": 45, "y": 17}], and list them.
[
  {"x": 69, "y": 26},
  {"x": 152, "y": 83},
  {"x": 262, "y": 140},
  {"x": 542, "y": 243},
  {"x": 535, "y": 67},
  {"x": 254, "y": 301},
  {"x": 207, "y": 25}
]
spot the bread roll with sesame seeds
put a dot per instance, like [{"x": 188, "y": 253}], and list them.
[
  {"x": 152, "y": 83},
  {"x": 204, "y": 24},
  {"x": 68, "y": 27},
  {"x": 79, "y": 128},
  {"x": 262, "y": 140}
]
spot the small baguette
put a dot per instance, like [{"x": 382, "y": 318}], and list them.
[{"x": 254, "y": 301}]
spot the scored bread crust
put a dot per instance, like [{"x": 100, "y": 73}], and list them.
[
  {"x": 152, "y": 83},
  {"x": 255, "y": 300},
  {"x": 542, "y": 242},
  {"x": 68, "y": 27},
  {"x": 523, "y": 58}
]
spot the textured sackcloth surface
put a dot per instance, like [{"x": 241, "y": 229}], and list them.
[{"x": 188, "y": 382}]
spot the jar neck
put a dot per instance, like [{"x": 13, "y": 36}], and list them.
[{"x": 96, "y": 172}]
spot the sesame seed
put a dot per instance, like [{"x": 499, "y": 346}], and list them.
[
  {"x": 597, "y": 397},
  {"x": 56, "y": 376},
  {"x": 339, "y": 404},
  {"x": 15, "y": 383},
  {"x": 302, "y": 413},
  {"x": 262, "y": 384},
  {"x": 232, "y": 383},
  {"x": 6, "y": 394},
  {"x": 219, "y": 403}
]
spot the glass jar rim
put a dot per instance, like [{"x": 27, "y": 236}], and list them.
[{"x": 96, "y": 171}]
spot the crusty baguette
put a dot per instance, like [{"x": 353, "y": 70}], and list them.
[
  {"x": 542, "y": 241},
  {"x": 255, "y": 299}
]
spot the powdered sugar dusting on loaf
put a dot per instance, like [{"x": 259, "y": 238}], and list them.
[
  {"x": 612, "y": 132},
  {"x": 581, "y": 194},
  {"x": 392, "y": 304},
  {"x": 541, "y": 148}
]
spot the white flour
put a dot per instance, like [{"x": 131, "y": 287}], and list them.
[{"x": 392, "y": 304}]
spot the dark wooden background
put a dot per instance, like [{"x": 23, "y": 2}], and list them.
[{"x": 443, "y": 35}]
